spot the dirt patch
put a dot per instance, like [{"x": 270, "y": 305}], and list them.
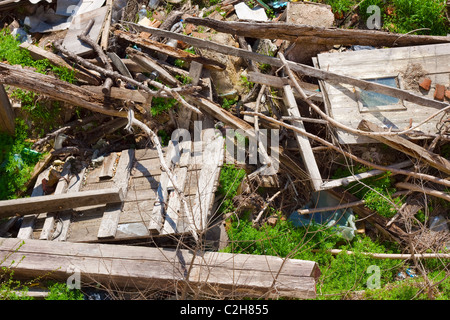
[{"x": 412, "y": 76}]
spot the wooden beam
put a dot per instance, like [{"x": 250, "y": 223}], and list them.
[
  {"x": 59, "y": 202},
  {"x": 211, "y": 163},
  {"x": 297, "y": 67},
  {"x": 146, "y": 268},
  {"x": 406, "y": 146},
  {"x": 316, "y": 35}
]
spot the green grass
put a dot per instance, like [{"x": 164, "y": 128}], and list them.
[
  {"x": 411, "y": 15},
  {"x": 229, "y": 181},
  {"x": 15, "y": 167}
]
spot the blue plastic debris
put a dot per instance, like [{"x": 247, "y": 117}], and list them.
[{"x": 342, "y": 219}]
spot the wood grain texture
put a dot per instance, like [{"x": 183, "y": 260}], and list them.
[{"x": 224, "y": 274}]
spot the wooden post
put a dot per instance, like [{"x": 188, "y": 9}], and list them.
[{"x": 6, "y": 113}]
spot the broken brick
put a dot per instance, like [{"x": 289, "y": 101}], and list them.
[
  {"x": 439, "y": 92},
  {"x": 447, "y": 94},
  {"x": 425, "y": 84}
]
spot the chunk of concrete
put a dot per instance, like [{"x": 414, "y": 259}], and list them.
[{"x": 313, "y": 14}]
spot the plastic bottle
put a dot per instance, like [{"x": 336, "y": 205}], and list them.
[{"x": 142, "y": 13}]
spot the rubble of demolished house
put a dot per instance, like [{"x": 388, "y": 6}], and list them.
[{"x": 308, "y": 97}]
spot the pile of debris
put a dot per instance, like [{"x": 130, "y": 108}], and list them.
[{"x": 326, "y": 97}]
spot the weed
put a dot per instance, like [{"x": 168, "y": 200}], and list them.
[
  {"x": 60, "y": 291},
  {"x": 409, "y": 15},
  {"x": 228, "y": 103},
  {"x": 159, "y": 105},
  {"x": 15, "y": 169},
  {"x": 164, "y": 136},
  {"x": 376, "y": 191},
  {"x": 229, "y": 181}
]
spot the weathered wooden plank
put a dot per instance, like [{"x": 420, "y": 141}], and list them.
[
  {"x": 166, "y": 49},
  {"x": 61, "y": 187},
  {"x": 6, "y": 113},
  {"x": 356, "y": 177},
  {"x": 303, "y": 142},
  {"x": 212, "y": 160},
  {"x": 107, "y": 171},
  {"x": 173, "y": 211},
  {"x": 26, "y": 228},
  {"x": 157, "y": 218},
  {"x": 121, "y": 179},
  {"x": 231, "y": 275},
  {"x": 59, "y": 202},
  {"x": 79, "y": 23},
  {"x": 122, "y": 93}
]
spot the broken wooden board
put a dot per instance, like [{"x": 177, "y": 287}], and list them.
[
  {"x": 61, "y": 187},
  {"x": 173, "y": 213},
  {"x": 147, "y": 268},
  {"x": 159, "y": 209},
  {"x": 149, "y": 65},
  {"x": 168, "y": 50},
  {"x": 26, "y": 228},
  {"x": 343, "y": 100},
  {"x": 303, "y": 142},
  {"x": 79, "y": 23},
  {"x": 211, "y": 164},
  {"x": 7, "y": 117},
  {"x": 121, "y": 179},
  {"x": 58, "y": 202}
]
